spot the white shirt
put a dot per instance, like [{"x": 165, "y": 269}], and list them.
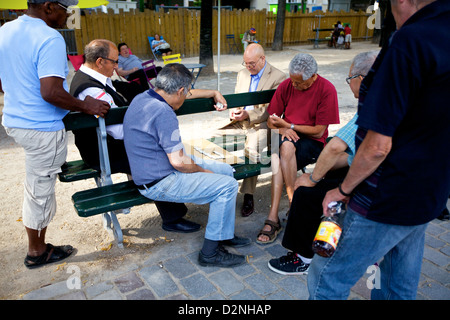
[{"x": 115, "y": 130}]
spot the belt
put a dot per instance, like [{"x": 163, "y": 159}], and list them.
[{"x": 148, "y": 185}]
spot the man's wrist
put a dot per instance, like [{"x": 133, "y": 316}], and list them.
[
  {"x": 313, "y": 180},
  {"x": 343, "y": 192}
]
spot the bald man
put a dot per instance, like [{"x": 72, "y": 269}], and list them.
[{"x": 251, "y": 121}]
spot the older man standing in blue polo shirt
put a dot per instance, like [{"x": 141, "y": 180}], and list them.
[{"x": 36, "y": 100}]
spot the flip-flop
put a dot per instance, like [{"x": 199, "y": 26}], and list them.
[
  {"x": 275, "y": 228},
  {"x": 51, "y": 254}
]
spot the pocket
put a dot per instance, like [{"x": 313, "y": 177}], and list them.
[{"x": 42, "y": 186}]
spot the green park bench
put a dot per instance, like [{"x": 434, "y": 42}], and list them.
[{"x": 108, "y": 197}]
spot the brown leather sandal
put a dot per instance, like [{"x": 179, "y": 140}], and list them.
[{"x": 275, "y": 229}]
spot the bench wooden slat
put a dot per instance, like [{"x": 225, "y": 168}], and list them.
[
  {"x": 77, "y": 170},
  {"x": 124, "y": 195},
  {"x": 77, "y": 120}
]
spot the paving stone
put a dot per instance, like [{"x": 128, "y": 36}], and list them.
[
  {"x": 294, "y": 287},
  {"x": 48, "y": 292},
  {"x": 128, "y": 282},
  {"x": 159, "y": 280},
  {"x": 142, "y": 294},
  {"x": 98, "y": 288},
  {"x": 109, "y": 295},
  {"x": 197, "y": 286},
  {"x": 226, "y": 282},
  {"x": 261, "y": 284},
  {"x": 246, "y": 295},
  {"x": 436, "y": 273},
  {"x": 435, "y": 291},
  {"x": 180, "y": 267}
]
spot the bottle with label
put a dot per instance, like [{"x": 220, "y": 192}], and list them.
[{"x": 327, "y": 236}]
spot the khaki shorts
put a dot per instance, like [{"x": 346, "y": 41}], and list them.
[{"x": 45, "y": 153}]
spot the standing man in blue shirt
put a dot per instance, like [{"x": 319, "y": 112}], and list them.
[
  {"x": 36, "y": 101},
  {"x": 399, "y": 179}
]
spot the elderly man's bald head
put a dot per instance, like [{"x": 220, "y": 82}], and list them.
[{"x": 254, "y": 58}]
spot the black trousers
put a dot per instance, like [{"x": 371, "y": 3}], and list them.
[{"x": 305, "y": 214}]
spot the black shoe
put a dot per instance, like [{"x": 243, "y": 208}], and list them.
[
  {"x": 222, "y": 258},
  {"x": 181, "y": 225},
  {"x": 236, "y": 242},
  {"x": 289, "y": 264},
  {"x": 248, "y": 206}
]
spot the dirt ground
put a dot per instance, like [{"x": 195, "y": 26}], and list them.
[{"x": 97, "y": 253}]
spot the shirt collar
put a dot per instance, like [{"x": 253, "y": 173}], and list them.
[
  {"x": 259, "y": 74},
  {"x": 97, "y": 76}
]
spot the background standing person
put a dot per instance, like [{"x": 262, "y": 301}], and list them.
[
  {"x": 36, "y": 101},
  {"x": 403, "y": 119},
  {"x": 258, "y": 75}
]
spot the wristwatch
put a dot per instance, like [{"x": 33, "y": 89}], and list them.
[{"x": 292, "y": 126}]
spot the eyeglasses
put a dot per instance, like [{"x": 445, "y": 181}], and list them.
[
  {"x": 352, "y": 77},
  {"x": 251, "y": 64},
  {"x": 113, "y": 61},
  {"x": 188, "y": 94},
  {"x": 68, "y": 10}
]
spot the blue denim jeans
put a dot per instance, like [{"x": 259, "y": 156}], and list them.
[
  {"x": 364, "y": 242},
  {"x": 219, "y": 189}
]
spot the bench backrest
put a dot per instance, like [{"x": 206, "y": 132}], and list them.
[{"x": 77, "y": 120}]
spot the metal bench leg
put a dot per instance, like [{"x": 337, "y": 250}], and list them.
[{"x": 110, "y": 221}]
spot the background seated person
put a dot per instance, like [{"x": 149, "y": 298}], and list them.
[
  {"x": 249, "y": 37},
  {"x": 301, "y": 110},
  {"x": 161, "y": 46},
  {"x": 306, "y": 210},
  {"x": 130, "y": 67}
]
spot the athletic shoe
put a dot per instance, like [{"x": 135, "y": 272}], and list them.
[{"x": 289, "y": 264}]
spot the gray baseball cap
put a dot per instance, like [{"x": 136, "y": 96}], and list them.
[{"x": 66, "y": 3}]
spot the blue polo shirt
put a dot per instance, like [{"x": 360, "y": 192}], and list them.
[
  {"x": 29, "y": 51},
  {"x": 151, "y": 131},
  {"x": 407, "y": 99}
]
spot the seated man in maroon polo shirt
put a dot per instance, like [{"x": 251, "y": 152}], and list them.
[{"x": 301, "y": 110}]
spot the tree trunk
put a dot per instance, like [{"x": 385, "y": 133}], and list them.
[
  {"x": 206, "y": 49},
  {"x": 277, "y": 44}
]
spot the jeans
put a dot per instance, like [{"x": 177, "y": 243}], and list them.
[
  {"x": 219, "y": 189},
  {"x": 362, "y": 243}
]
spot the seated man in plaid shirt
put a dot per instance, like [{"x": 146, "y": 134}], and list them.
[{"x": 306, "y": 208}]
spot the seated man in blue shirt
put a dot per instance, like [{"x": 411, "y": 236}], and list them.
[
  {"x": 306, "y": 210},
  {"x": 130, "y": 67},
  {"x": 162, "y": 170}
]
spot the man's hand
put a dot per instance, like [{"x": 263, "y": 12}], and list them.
[
  {"x": 96, "y": 107},
  {"x": 220, "y": 102},
  {"x": 239, "y": 115},
  {"x": 333, "y": 195},
  {"x": 289, "y": 134}
]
